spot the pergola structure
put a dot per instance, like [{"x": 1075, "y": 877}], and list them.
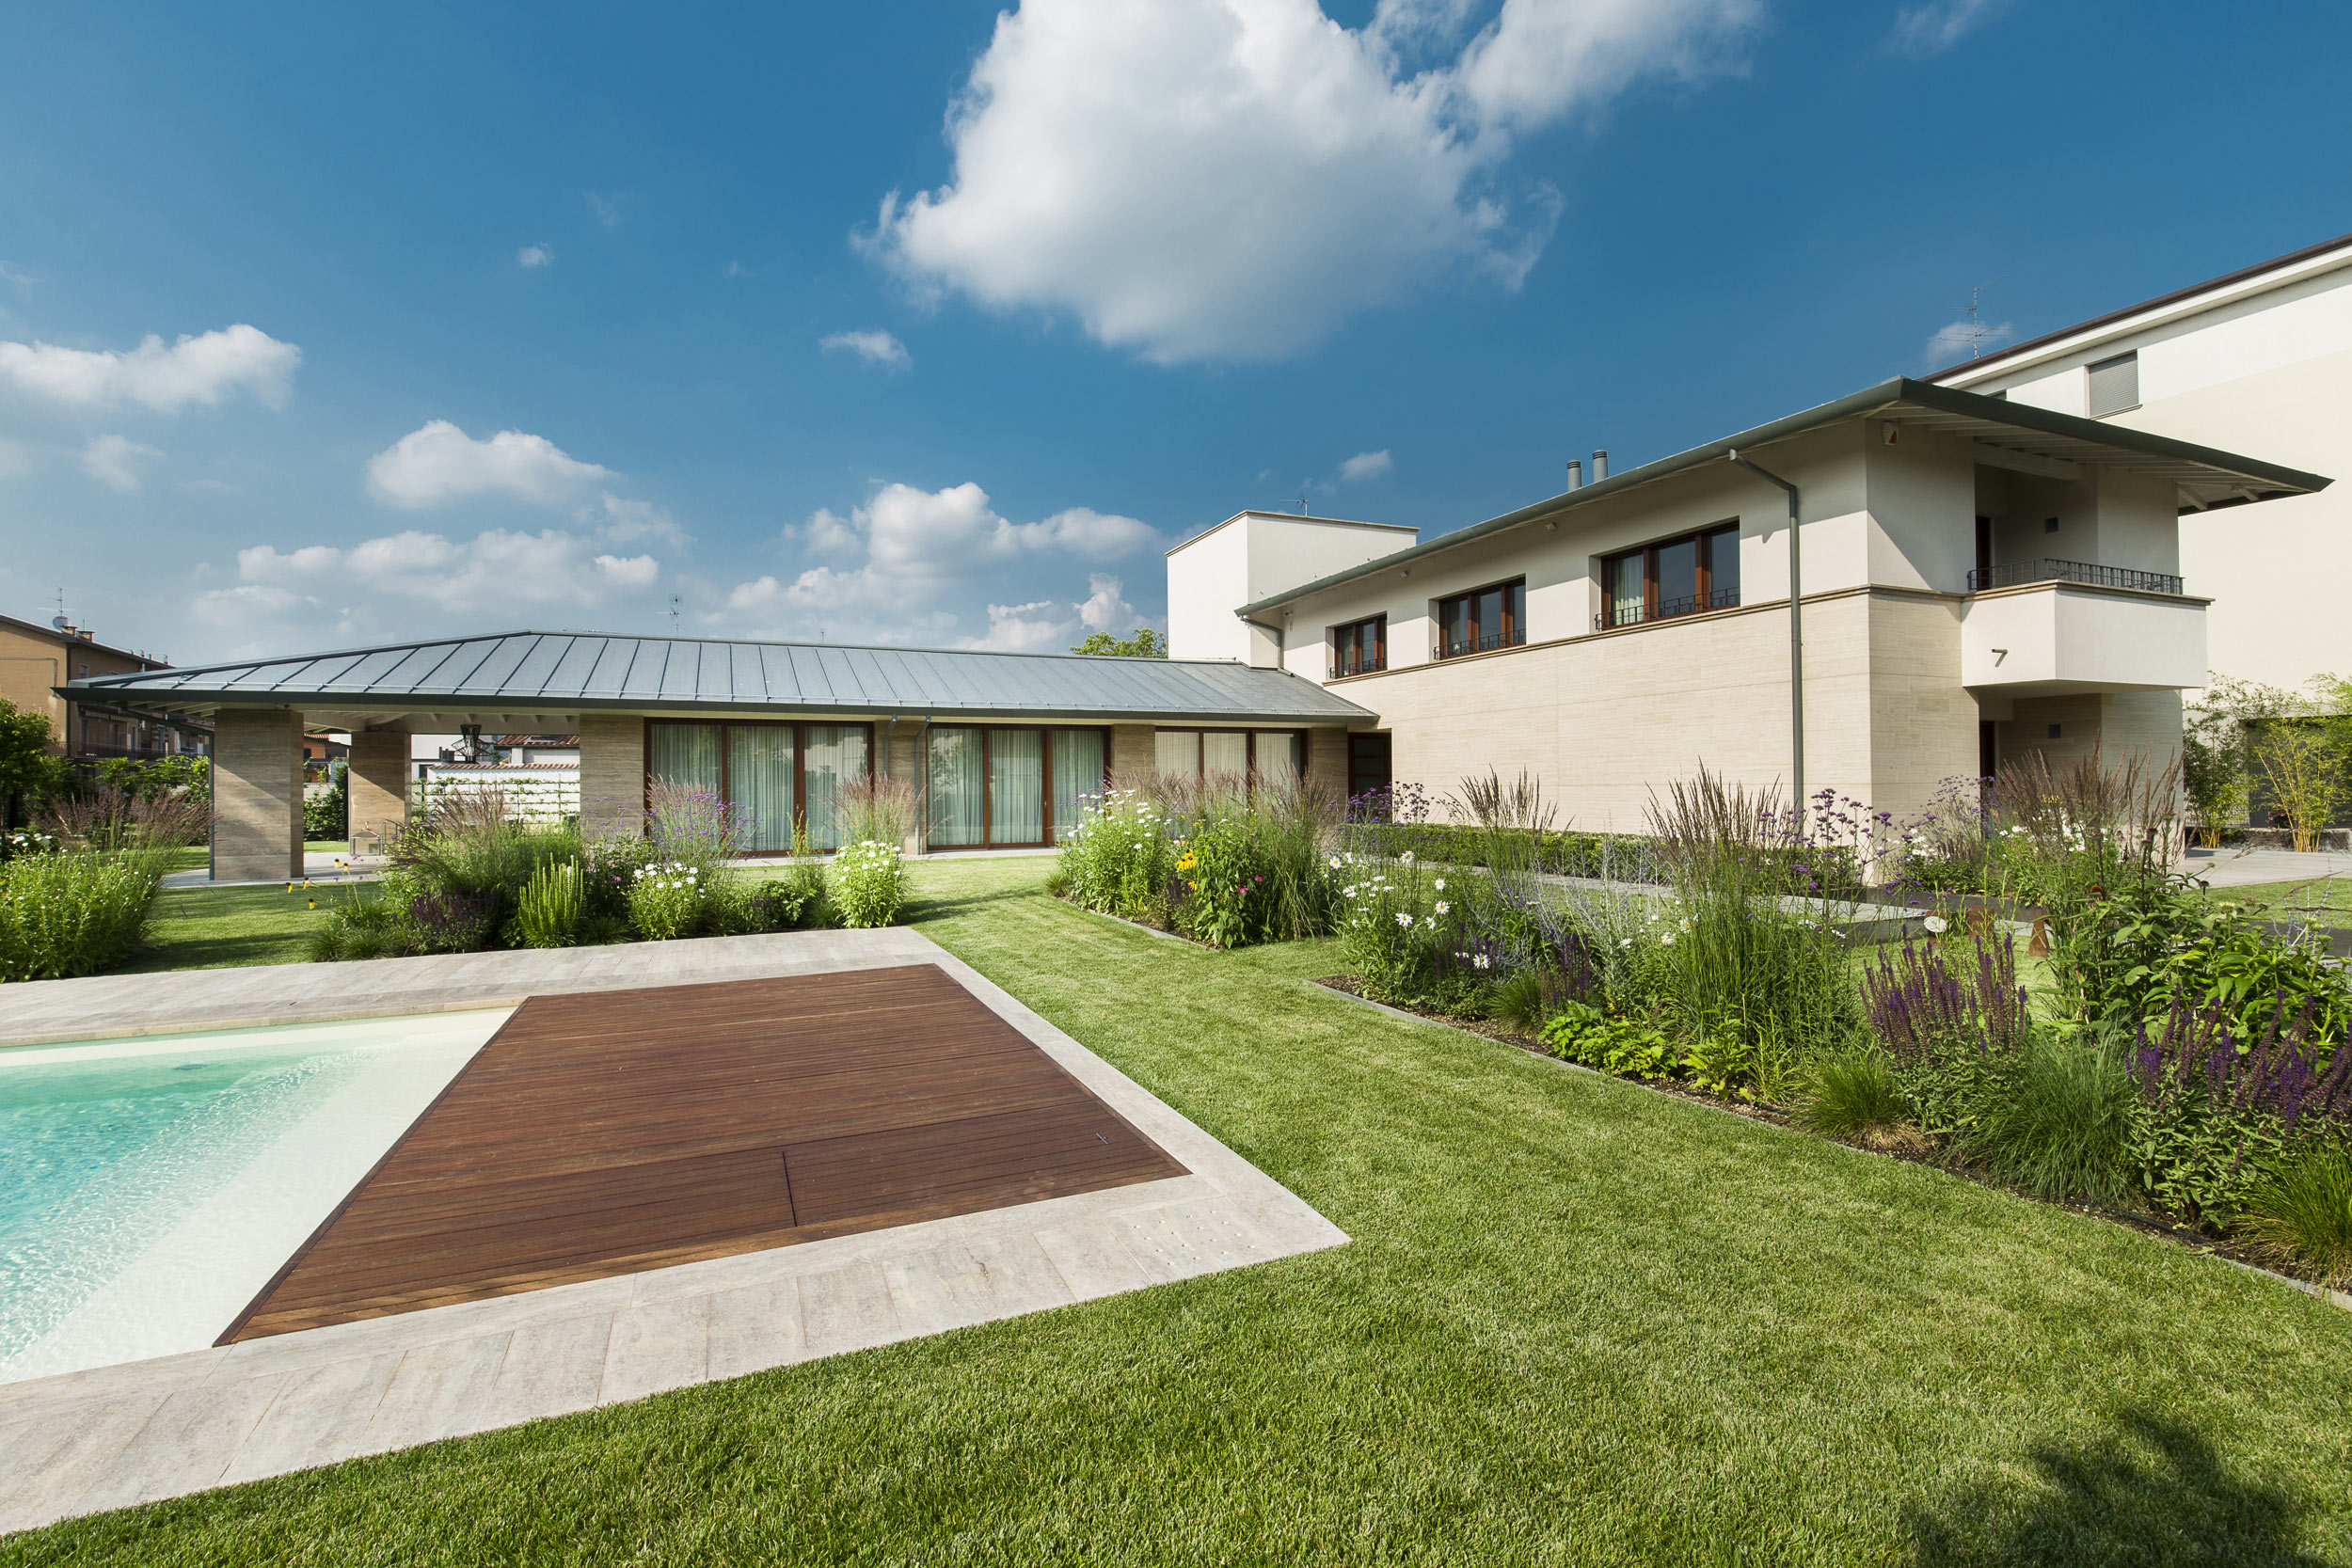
[{"x": 995, "y": 745}]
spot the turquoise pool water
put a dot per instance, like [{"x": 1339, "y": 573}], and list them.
[
  {"x": 150, "y": 1187},
  {"x": 102, "y": 1155}
]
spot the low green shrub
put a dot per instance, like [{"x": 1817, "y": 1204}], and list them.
[
  {"x": 734, "y": 907},
  {"x": 1849, "y": 1092},
  {"x": 868, "y": 883},
  {"x": 368, "y": 925},
  {"x": 74, "y": 913},
  {"x": 2300, "y": 1212},
  {"x": 1622, "y": 1045},
  {"x": 551, "y": 906}
]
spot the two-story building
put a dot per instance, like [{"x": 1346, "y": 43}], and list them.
[
  {"x": 36, "y": 660},
  {"x": 1966, "y": 576}
]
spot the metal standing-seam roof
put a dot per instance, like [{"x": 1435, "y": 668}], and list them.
[
  {"x": 2203, "y": 478},
  {"x": 540, "y": 672}
]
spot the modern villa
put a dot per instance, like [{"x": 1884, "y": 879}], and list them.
[{"x": 1977, "y": 576}]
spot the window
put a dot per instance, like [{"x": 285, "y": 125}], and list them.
[
  {"x": 1676, "y": 577},
  {"x": 2114, "y": 385},
  {"x": 773, "y": 775},
  {"x": 1359, "y": 647},
  {"x": 1004, "y": 787},
  {"x": 1487, "y": 618},
  {"x": 1275, "y": 756}
]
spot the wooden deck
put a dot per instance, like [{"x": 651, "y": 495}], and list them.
[{"x": 609, "y": 1133}]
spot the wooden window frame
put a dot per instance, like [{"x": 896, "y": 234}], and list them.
[
  {"x": 799, "y": 727},
  {"x": 1514, "y": 592},
  {"x": 1349, "y": 636},
  {"x": 988, "y": 786},
  {"x": 1704, "y": 539}
]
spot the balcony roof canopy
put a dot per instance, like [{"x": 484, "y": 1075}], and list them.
[
  {"x": 2202, "y": 477},
  {"x": 532, "y": 679}
]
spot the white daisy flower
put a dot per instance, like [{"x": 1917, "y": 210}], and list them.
[
  {"x": 1404, "y": 919},
  {"x": 1444, "y": 907}
]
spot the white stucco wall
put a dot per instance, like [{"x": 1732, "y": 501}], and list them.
[
  {"x": 2267, "y": 374},
  {"x": 1250, "y": 557}
]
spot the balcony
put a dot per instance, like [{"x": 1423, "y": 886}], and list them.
[
  {"x": 2017, "y": 574},
  {"x": 1666, "y": 610},
  {"x": 2050, "y": 635}
]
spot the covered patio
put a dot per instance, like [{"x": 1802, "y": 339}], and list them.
[{"x": 998, "y": 749}]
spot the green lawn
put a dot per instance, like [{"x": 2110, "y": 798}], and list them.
[
  {"x": 214, "y": 927},
  {"x": 1579, "y": 1324},
  {"x": 2328, "y": 899}
]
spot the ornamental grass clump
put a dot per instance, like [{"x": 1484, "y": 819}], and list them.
[
  {"x": 1756, "y": 946},
  {"x": 868, "y": 884},
  {"x": 75, "y": 912},
  {"x": 2300, "y": 1213}
]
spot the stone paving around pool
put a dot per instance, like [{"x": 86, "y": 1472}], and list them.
[{"x": 116, "y": 1436}]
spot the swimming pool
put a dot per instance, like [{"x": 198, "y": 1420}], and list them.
[{"x": 151, "y": 1187}]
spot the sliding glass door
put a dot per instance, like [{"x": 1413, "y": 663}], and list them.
[
  {"x": 772, "y": 774},
  {"x": 1001, "y": 788}
]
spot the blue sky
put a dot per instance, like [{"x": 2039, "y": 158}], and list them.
[{"x": 920, "y": 324}]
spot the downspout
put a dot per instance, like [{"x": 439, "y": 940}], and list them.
[
  {"x": 1281, "y": 637},
  {"x": 1796, "y": 631}
]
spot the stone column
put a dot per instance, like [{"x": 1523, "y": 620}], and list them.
[
  {"x": 1327, "y": 761},
  {"x": 611, "y": 775},
  {"x": 1135, "y": 755},
  {"x": 257, "y": 794},
  {"x": 905, "y": 763},
  {"x": 379, "y": 781}
]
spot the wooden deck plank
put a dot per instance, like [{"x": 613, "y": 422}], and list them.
[{"x": 601, "y": 1134}]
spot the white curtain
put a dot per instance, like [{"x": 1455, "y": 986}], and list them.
[
  {"x": 1016, "y": 787},
  {"x": 837, "y": 756},
  {"x": 760, "y": 782},
  {"x": 1077, "y": 776},
  {"x": 1225, "y": 751},
  {"x": 1278, "y": 758},
  {"x": 955, "y": 784},
  {"x": 685, "y": 754},
  {"x": 1178, "y": 754}
]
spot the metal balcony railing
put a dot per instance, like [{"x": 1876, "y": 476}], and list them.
[
  {"x": 1667, "y": 610},
  {"x": 1358, "y": 667},
  {"x": 2013, "y": 573},
  {"x": 1454, "y": 647}
]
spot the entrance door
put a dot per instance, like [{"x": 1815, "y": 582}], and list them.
[{"x": 1366, "y": 763}]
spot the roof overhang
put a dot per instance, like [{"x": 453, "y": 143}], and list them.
[{"x": 2203, "y": 477}]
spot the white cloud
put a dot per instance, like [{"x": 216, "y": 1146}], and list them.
[
  {"x": 10, "y": 275},
  {"x": 15, "y": 458},
  {"x": 535, "y": 256},
  {"x": 1104, "y": 609},
  {"x": 1954, "y": 342},
  {"x": 609, "y": 209},
  {"x": 891, "y": 563},
  {"x": 206, "y": 369},
  {"x": 496, "y": 573},
  {"x": 621, "y": 521},
  {"x": 217, "y": 487},
  {"x": 1231, "y": 179},
  {"x": 113, "y": 459},
  {"x": 437, "y": 463},
  {"x": 1934, "y": 25},
  {"x": 876, "y": 348},
  {"x": 1366, "y": 465}
]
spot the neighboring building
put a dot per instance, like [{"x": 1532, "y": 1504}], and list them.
[
  {"x": 2261, "y": 362},
  {"x": 36, "y": 660},
  {"x": 320, "y": 754},
  {"x": 998, "y": 749},
  {"x": 1980, "y": 577}
]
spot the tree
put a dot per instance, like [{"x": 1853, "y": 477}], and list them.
[
  {"x": 1144, "y": 643},
  {"x": 27, "y": 766}
]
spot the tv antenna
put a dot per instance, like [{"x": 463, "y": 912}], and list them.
[
  {"x": 61, "y": 620},
  {"x": 674, "y": 616},
  {"x": 1976, "y": 322}
]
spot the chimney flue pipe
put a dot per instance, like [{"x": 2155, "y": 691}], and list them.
[
  {"x": 1601, "y": 464},
  {"x": 1576, "y": 475}
]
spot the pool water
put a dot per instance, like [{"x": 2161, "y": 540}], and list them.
[{"x": 149, "y": 1186}]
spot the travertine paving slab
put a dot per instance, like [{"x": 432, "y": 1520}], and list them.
[{"x": 126, "y": 1434}]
